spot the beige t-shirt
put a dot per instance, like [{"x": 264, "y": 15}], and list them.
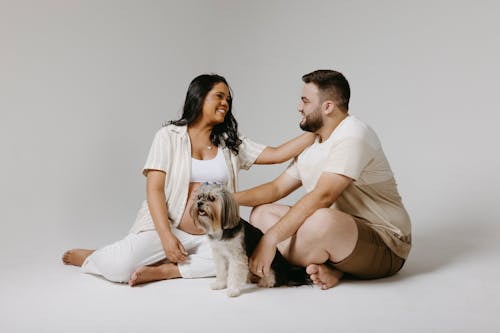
[{"x": 354, "y": 150}]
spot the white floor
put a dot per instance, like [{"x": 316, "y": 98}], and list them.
[{"x": 450, "y": 284}]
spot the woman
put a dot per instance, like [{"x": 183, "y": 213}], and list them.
[{"x": 202, "y": 146}]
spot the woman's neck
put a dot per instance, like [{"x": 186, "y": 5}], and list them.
[{"x": 200, "y": 134}]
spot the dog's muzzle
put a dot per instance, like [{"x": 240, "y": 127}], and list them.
[{"x": 200, "y": 209}]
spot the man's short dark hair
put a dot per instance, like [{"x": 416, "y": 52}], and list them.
[{"x": 332, "y": 85}]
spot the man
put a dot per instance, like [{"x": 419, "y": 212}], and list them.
[{"x": 352, "y": 219}]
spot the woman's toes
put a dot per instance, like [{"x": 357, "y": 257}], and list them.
[
  {"x": 65, "y": 257},
  {"x": 76, "y": 256},
  {"x": 133, "y": 278}
]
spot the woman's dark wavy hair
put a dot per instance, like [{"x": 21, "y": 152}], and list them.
[{"x": 199, "y": 88}]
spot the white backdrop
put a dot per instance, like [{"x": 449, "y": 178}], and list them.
[{"x": 84, "y": 85}]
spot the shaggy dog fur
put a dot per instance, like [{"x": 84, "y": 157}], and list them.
[{"x": 233, "y": 240}]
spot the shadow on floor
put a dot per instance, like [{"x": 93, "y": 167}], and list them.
[{"x": 434, "y": 248}]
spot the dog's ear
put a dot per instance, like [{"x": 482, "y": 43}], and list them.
[
  {"x": 230, "y": 211},
  {"x": 193, "y": 209},
  {"x": 194, "y": 216}
]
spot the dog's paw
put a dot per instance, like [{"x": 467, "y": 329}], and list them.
[
  {"x": 252, "y": 278},
  {"x": 267, "y": 281},
  {"x": 233, "y": 292},
  {"x": 217, "y": 285}
]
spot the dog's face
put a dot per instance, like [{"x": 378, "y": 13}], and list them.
[{"x": 214, "y": 209}]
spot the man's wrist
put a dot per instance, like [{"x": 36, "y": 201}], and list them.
[{"x": 272, "y": 238}]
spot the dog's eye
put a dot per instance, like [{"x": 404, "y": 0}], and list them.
[{"x": 211, "y": 198}]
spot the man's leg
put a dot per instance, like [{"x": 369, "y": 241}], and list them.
[
  {"x": 327, "y": 235},
  {"x": 265, "y": 216}
]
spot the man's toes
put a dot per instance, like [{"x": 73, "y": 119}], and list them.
[
  {"x": 312, "y": 269},
  {"x": 329, "y": 277},
  {"x": 314, "y": 278}
]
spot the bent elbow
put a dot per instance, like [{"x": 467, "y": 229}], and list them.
[{"x": 326, "y": 199}]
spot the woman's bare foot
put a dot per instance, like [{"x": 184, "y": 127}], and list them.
[
  {"x": 147, "y": 274},
  {"x": 76, "y": 256},
  {"x": 323, "y": 276}
]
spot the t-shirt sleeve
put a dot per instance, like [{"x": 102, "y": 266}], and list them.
[
  {"x": 349, "y": 158},
  {"x": 293, "y": 170},
  {"x": 248, "y": 152},
  {"x": 158, "y": 156}
]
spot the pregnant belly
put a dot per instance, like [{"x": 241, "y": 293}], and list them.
[{"x": 187, "y": 224}]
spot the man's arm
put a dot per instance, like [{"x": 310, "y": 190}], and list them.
[
  {"x": 327, "y": 190},
  {"x": 268, "y": 192}
]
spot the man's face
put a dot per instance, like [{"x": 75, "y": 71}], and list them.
[{"x": 310, "y": 108}]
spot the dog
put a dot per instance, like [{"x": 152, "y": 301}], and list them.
[{"x": 233, "y": 240}]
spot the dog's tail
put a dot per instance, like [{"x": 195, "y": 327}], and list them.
[
  {"x": 288, "y": 274},
  {"x": 297, "y": 276}
]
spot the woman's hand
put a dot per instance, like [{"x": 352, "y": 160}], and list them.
[
  {"x": 173, "y": 248},
  {"x": 157, "y": 204},
  {"x": 284, "y": 152}
]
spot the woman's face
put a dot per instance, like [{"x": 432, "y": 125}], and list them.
[{"x": 216, "y": 104}]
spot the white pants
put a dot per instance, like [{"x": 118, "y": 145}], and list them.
[{"x": 117, "y": 262}]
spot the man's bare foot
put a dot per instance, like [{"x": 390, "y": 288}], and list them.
[
  {"x": 76, "y": 256},
  {"x": 147, "y": 274},
  {"x": 323, "y": 276}
]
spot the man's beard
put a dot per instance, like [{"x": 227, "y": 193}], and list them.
[{"x": 313, "y": 122}]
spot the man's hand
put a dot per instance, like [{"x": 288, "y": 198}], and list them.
[
  {"x": 262, "y": 257},
  {"x": 173, "y": 248}
]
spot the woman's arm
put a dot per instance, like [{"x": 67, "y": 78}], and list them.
[
  {"x": 286, "y": 151},
  {"x": 157, "y": 205}
]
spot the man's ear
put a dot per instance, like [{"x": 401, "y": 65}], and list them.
[{"x": 328, "y": 107}]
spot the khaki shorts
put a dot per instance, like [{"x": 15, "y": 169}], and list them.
[{"x": 371, "y": 257}]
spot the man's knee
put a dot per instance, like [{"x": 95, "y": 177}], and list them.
[
  {"x": 324, "y": 223},
  {"x": 259, "y": 214},
  {"x": 327, "y": 234},
  {"x": 316, "y": 224}
]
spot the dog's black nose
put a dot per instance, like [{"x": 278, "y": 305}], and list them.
[{"x": 200, "y": 204}]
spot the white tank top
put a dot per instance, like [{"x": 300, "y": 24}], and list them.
[{"x": 211, "y": 171}]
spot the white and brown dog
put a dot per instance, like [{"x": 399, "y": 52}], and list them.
[{"x": 233, "y": 240}]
